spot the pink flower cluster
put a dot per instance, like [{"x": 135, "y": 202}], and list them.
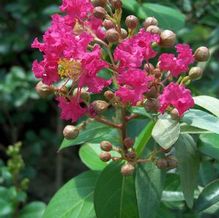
[
  {"x": 176, "y": 96},
  {"x": 66, "y": 53},
  {"x": 130, "y": 54},
  {"x": 71, "y": 54},
  {"x": 177, "y": 65}
]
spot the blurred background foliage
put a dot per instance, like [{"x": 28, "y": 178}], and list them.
[{"x": 25, "y": 117}]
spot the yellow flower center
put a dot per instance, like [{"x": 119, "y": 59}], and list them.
[{"x": 69, "y": 68}]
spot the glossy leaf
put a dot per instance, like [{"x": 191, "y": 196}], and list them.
[
  {"x": 202, "y": 120},
  {"x": 89, "y": 154},
  {"x": 115, "y": 194},
  {"x": 209, "y": 103},
  {"x": 166, "y": 131},
  {"x": 188, "y": 166},
  {"x": 74, "y": 199},
  {"x": 144, "y": 137},
  {"x": 168, "y": 18},
  {"x": 187, "y": 129},
  {"x": 94, "y": 132},
  {"x": 131, "y": 5},
  {"x": 207, "y": 172},
  {"x": 34, "y": 209},
  {"x": 149, "y": 182},
  {"x": 209, "y": 145},
  {"x": 140, "y": 111},
  {"x": 208, "y": 197}
]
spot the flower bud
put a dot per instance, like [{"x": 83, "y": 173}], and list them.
[
  {"x": 148, "y": 67},
  {"x": 152, "y": 105},
  {"x": 128, "y": 142},
  {"x": 108, "y": 24},
  {"x": 175, "y": 114},
  {"x": 172, "y": 162},
  {"x": 150, "y": 21},
  {"x": 101, "y": 3},
  {"x": 202, "y": 54},
  {"x": 112, "y": 35},
  {"x": 131, "y": 22},
  {"x": 99, "y": 106},
  {"x": 44, "y": 90},
  {"x": 162, "y": 163},
  {"x": 195, "y": 73},
  {"x": 70, "y": 132},
  {"x": 157, "y": 73},
  {"x": 127, "y": 169},
  {"x": 109, "y": 95},
  {"x": 124, "y": 33},
  {"x": 154, "y": 29},
  {"x": 117, "y": 4},
  {"x": 105, "y": 156},
  {"x": 152, "y": 93},
  {"x": 167, "y": 38},
  {"x": 106, "y": 146},
  {"x": 99, "y": 12},
  {"x": 131, "y": 155}
]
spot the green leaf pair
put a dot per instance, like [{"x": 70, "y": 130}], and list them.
[{"x": 113, "y": 194}]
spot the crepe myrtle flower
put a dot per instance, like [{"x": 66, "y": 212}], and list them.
[{"x": 86, "y": 39}]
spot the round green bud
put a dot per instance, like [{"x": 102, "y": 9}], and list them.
[{"x": 195, "y": 73}]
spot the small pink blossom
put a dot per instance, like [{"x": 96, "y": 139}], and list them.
[
  {"x": 177, "y": 65},
  {"x": 91, "y": 65},
  {"x": 71, "y": 109},
  {"x": 176, "y": 96},
  {"x": 131, "y": 52},
  {"x": 144, "y": 41},
  {"x": 128, "y": 54},
  {"x": 77, "y": 9},
  {"x": 133, "y": 84}
]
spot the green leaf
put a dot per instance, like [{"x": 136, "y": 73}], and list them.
[
  {"x": 209, "y": 145},
  {"x": 140, "y": 111},
  {"x": 94, "y": 132},
  {"x": 115, "y": 194},
  {"x": 33, "y": 210},
  {"x": 89, "y": 154},
  {"x": 208, "y": 197},
  {"x": 166, "y": 131},
  {"x": 131, "y": 5},
  {"x": 207, "y": 172},
  {"x": 144, "y": 137},
  {"x": 187, "y": 129},
  {"x": 6, "y": 208},
  {"x": 165, "y": 212},
  {"x": 172, "y": 196},
  {"x": 74, "y": 199},
  {"x": 202, "y": 120},
  {"x": 149, "y": 184},
  {"x": 188, "y": 166},
  {"x": 135, "y": 126},
  {"x": 209, "y": 103},
  {"x": 168, "y": 18}
]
